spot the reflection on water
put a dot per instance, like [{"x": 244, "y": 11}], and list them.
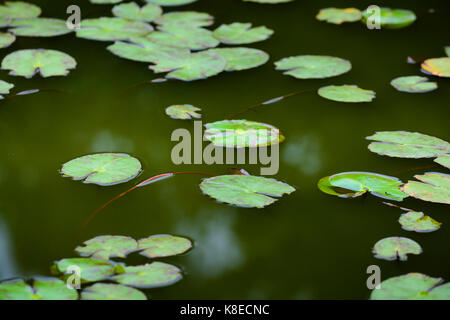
[
  {"x": 304, "y": 152},
  {"x": 8, "y": 265},
  {"x": 106, "y": 141}
]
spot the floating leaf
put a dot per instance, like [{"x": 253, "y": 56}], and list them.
[
  {"x": 104, "y": 169},
  {"x": 354, "y": 184},
  {"x": 111, "y": 29},
  {"x": 391, "y": 18},
  {"x": 91, "y": 269},
  {"x": 192, "y": 38},
  {"x": 413, "y": 84},
  {"x": 412, "y": 286},
  {"x": 242, "y": 58},
  {"x": 313, "y": 67},
  {"x": 436, "y": 187},
  {"x": 444, "y": 160},
  {"x": 6, "y": 39},
  {"x": 393, "y": 247},
  {"x": 17, "y": 10},
  {"x": 156, "y": 274},
  {"x": 164, "y": 245},
  {"x": 106, "y": 247},
  {"x": 241, "y": 33},
  {"x": 245, "y": 191},
  {"x": 437, "y": 66},
  {"x": 183, "y": 111},
  {"x": 132, "y": 11},
  {"x": 268, "y": 1},
  {"x": 417, "y": 221},
  {"x": 41, "y": 289},
  {"x": 346, "y": 93},
  {"x": 403, "y": 144},
  {"x": 242, "y": 133},
  {"x": 5, "y": 87},
  {"x": 190, "y": 19},
  {"x": 103, "y": 291},
  {"x": 39, "y": 27},
  {"x": 171, "y": 2},
  {"x": 48, "y": 63},
  {"x": 339, "y": 16}
]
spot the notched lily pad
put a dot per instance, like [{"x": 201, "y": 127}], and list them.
[
  {"x": 132, "y": 11},
  {"x": 346, "y": 93},
  {"x": 338, "y": 15},
  {"x": 396, "y": 247},
  {"x": 313, "y": 67},
  {"x": 106, "y": 247},
  {"x": 41, "y": 288},
  {"x": 435, "y": 187},
  {"x": 112, "y": 29},
  {"x": 242, "y": 58},
  {"x": 39, "y": 27},
  {"x": 6, "y": 39},
  {"x": 437, "y": 66},
  {"x": 106, "y": 291},
  {"x": 413, "y": 84},
  {"x": 164, "y": 245},
  {"x": 417, "y": 221},
  {"x": 241, "y": 33},
  {"x": 17, "y": 10},
  {"x": 183, "y": 111},
  {"x": 391, "y": 18},
  {"x": 443, "y": 160},
  {"x": 91, "y": 269},
  {"x": 184, "y": 37},
  {"x": 5, "y": 87},
  {"x": 153, "y": 275}
]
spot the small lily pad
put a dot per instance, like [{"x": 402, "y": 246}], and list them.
[
  {"x": 132, "y": 11},
  {"x": 413, "y": 84},
  {"x": 313, "y": 67},
  {"x": 104, "y": 169},
  {"x": 245, "y": 190},
  {"x": 48, "y": 63},
  {"x": 6, "y": 39},
  {"x": 171, "y": 2},
  {"x": 17, "y": 10},
  {"x": 112, "y": 29},
  {"x": 106, "y": 247},
  {"x": 106, "y": 291},
  {"x": 163, "y": 245},
  {"x": 241, "y": 33},
  {"x": 396, "y": 247},
  {"x": 242, "y": 133},
  {"x": 91, "y": 269},
  {"x": 153, "y": 275},
  {"x": 403, "y": 144},
  {"x": 435, "y": 187},
  {"x": 346, "y": 93},
  {"x": 186, "y": 19},
  {"x": 183, "y": 111},
  {"x": 339, "y": 16},
  {"x": 39, "y": 27},
  {"x": 180, "y": 37},
  {"x": 354, "y": 184},
  {"x": 437, "y": 66},
  {"x": 242, "y": 58},
  {"x": 5, "y": 87},
  {"x": 41, "y": 288},
  {"x": 443, "y": 160},
  {"x": 417, "y": 221},
  {"x": 391, "y": 18}
]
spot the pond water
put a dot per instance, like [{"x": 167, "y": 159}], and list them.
[{"x": 308, "y": 245}]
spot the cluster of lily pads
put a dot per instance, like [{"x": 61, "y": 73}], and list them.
[{"x": 101, "y": 278}]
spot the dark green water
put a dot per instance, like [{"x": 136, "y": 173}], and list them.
[{"x": 306, "y": 246}]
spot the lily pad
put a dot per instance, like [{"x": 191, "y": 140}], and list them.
[
  {"x": 241, "y": 33},
  {"x": 392, "y": 18},
  {"x": 17, "y": 10},
  {"x": 413, "y": 84},
  {"x": 48, "y": 63},
  {"x": 156, "y": 274},
  {"x": 339, "y": 16},
  {"x": 242, "y": 58},
  {"x": 5, "y": 87},
  {"x": 354, "y": 184},
  {"x": 164, "y": 245},
  {"x": 91, "y": 269},
  {"x": 444, "y": 160},
  {"x": 245, "y": 190},
  {"x": 403, "y": 144},
  {"x": 104, "y": 169},
  {"x": 437, "y": 66},
  {"x": 396, "y": 247},
  {"x": 39, "y": 27},
  {"x": 183, "y": 111},
  {"x": 42, "y": 288},
  {"x": 180, "y": 37},
  {"x": 242, "y": 133},
  {"x": 171, "y": 2},
  {"x": 436, "y": 187},
  {"x": 412, "y": 286},
  {"x": 313, "y": 67},
  {"x": 346, "y": 93},
  {"x": 106, "y": 247},
  {"x": 186, "y": 19},
  {"x": 6, "y": 39},
  {"x": 112, "y": 29},
  {"x": 106, "y": 291},
  {"x": 417, "y": 221},
  {"x": 132, "y": 11}
]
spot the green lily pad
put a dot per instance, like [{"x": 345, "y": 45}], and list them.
[
  {"x": 105, "y": 1},
  {"x": 436, "y": 187},
  {"x": 417, "y": 221},
  {"x": 39, "y": 27},
  {"x": 186, "y": 19},
  {"x": 412, "y": 286},
  {"x": 313, "y": 67},
  {"x": 106, "y": 247},
  {"x": 242, "y": 133},
  {"x": 339, "y": 16},
  {"x": 346, "y": 93},
  {"x": 153, "y": 275},
  {"x": 413, "y": 84},
  {"x": 437, "y": 66},
  {"x": 163, "y": 245},
  {"x": 241, "y": 33},
  {"x": 171, "y": 2},
  {"x": 104, "y": 169},
  {"x": 444, "y": 160},
  {"x": 106, "y": 291},
  {"x": 5, "y": 87},
  {"x": 42, "y": 288},
  {"x": 242, "y": 58},
  {"x": 183, "y": 111},
  {"x": 392, "y": 18},
  {"x": 92, "y": 270},
  {"x": 17, "y": 10},
  {"x": 396, "y": 247},
  {"x": 403, "y": 144},
  {"x": 354, "y": 184},
  {"x": 132, "y": 11},
  {"x": 48, "y": 63},
  {"x": 112, "y": 29},
  {"x": 6, "y": 39},
  {"x": 192, "y": 38},
  {"x": 244, "y": 190},
  {"x": 268, "y": 1}
]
